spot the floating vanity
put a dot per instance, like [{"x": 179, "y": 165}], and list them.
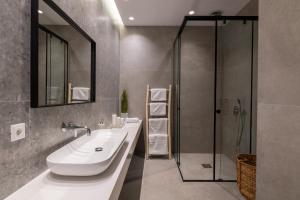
[{"x": 104, "y": 186}]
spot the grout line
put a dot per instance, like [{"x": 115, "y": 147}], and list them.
[
  {"x": 276, "y": 104},
  {"x": 14, "y": 101}
]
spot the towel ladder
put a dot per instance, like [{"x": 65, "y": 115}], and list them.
[{"x": 168, "y": 104}]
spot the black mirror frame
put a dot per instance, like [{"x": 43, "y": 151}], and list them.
[{"x": 34, "y": 53}]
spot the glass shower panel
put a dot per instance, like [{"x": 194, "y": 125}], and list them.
[
  {"x": 197, "y": 76},
  {"x": 254, "y": 87},
  {"x": 42, "y": 67},
  {"x": 234, "y": 88},
  {"x": 175, "y": 98},
  {"x": 56, "y": 70}
]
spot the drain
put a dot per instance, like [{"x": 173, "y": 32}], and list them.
[
  {"x": 98, "y": 149},
  {"x": 206, "y": 165}
]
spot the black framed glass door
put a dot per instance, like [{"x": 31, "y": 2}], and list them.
[{"x": 213, "y": 96}]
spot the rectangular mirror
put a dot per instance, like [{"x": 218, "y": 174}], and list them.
[{"x": 62, "y": 58}]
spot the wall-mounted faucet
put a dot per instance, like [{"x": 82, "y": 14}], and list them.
[{"x": 72, "y": 126}]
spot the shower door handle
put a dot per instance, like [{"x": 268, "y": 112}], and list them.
[{"x": 218, "y": 111}]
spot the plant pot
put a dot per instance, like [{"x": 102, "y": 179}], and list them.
[{"x": 124, "y": 115}]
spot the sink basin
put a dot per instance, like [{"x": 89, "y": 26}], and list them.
[{"x": 87, "y": 155}]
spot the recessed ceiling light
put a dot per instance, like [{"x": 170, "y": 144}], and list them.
[
  {"x": 131, "y": 18},
  {"x": 191, "y": 12},
  {"x": 40, "y": 12}
]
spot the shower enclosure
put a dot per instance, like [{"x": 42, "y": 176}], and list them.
[{"x": 214, "y": 113}]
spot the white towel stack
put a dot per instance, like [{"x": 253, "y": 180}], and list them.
[
  {"x": 158, "y": 109},
  {"x": 80, "y": 94},
  {"x": 158, "y": 144},
  {"x": 159, "y": 94},
  {"x": 158, "y": 126},
  {"x": 158, "y": 136}
]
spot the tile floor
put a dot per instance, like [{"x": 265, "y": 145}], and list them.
[
  {"x": 161, "y": 181},
  {"x": 191, "y": 166}
]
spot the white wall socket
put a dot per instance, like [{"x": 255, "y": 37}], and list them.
[{"x": 17, "y": 132}]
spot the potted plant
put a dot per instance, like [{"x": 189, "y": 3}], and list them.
[{"x": 124, "y": 104}]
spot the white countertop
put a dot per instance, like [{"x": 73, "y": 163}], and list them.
[{"x": 106, "y": 186}]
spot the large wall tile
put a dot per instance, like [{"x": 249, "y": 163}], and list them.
[
  {"x": 14, "y": 50},
  {"x": 278, "y": 152},
  {"x": 197, "y": 89},
  {"x": 147, "y": 48},
  {"x": 279, "y": 52},
  {"x": 146, "y": 58},
  {"x": 279, "y": 99},
  {"x": 23, "y": 160}
]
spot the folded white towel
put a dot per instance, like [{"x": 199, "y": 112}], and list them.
[
  {"x": 158, "y": 144},
  {"x": 80, "y": 94},
  {"x": 158, "y": 94},
  {"x": 158, "y": 109},
  {"x": 158, "y": 126},
  {"x": 132, "y": 120}
]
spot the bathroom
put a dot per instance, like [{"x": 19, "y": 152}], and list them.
[{"x": 133, "y": 44}]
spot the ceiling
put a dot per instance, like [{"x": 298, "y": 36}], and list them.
[
  {"x": 171, "y": 12},
  {"x": 49, "y": 16}
]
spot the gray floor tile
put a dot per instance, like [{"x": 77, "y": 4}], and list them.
[{"x": 161, "y": 181}]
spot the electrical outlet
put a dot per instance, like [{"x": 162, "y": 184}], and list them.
[{"x": 17, "y": 132}]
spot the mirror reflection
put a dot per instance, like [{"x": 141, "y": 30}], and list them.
[{"x": 64, "y": 59}]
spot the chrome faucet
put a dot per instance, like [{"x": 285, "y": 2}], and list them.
[{"x": 72, "y": 126}]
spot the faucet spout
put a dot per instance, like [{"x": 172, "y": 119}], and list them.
[
  {"x": 88, "y": 131},
  {"x": 72, "y": 126}
]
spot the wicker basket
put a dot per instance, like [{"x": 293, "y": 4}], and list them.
[{"x": 246, "y": 175}]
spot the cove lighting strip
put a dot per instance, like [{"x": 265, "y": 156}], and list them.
[{"x": 114, "y": 13}]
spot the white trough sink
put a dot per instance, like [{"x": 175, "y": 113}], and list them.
[{"x": 87, "y": 155}]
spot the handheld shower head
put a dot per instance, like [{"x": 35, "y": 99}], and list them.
[
  {"x": 239, "y": 101},
  {"x": 237, "y": 108}
]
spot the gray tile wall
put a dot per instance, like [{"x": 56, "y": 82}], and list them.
[
  {"x": 145, "y": 58},
  {"x": 197, "y": 89},
  {"x": 236, "y": 38},
  {"x": 197, "y": 84},
  {"x": 251, "y": 9},
  {"x": 79, "y": 57},
  {"x": 278, "y": 125},
  {"x": 23, "y": 160}
]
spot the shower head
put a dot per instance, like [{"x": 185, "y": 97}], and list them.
[{"x": 217, "y": 13}]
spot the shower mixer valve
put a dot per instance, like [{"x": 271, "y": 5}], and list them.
[{"x": 236, "y": 109}]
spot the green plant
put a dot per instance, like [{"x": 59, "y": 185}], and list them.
[{"x": 124, "y": 102}]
